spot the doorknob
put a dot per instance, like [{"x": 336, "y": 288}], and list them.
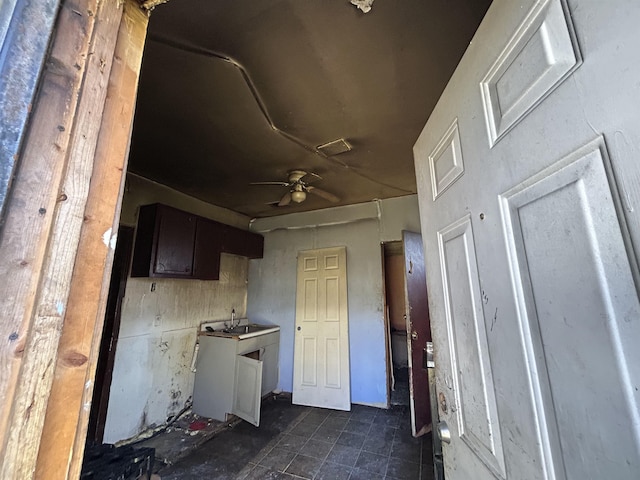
[
  {"x": 443, "y": 432},
  {"x": 414, "y": 335}
]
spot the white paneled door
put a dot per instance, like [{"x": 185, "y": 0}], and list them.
[
  {"x": 321, "y": 358},
  {"x": 528, "y": 177}
]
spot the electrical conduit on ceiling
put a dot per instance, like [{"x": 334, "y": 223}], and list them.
[{"x": 263, "y": 109}]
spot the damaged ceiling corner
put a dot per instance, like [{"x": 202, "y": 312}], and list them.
[{"x": 364, "y": 5}]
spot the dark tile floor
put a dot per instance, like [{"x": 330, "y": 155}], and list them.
[{"x": 296, "y": 442}]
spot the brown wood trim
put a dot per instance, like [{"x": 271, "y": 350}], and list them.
[
  {"x": 36, "y": 376},
  {"x": 25, "y": 235},
  {"x": 44, "y": 218},
  {"x": 68, "y": 410}
]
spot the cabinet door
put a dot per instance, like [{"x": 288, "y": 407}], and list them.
[
  {"x": 247, "y": 390},
  {"x": 206, "y": 256},
  {"x": 174, "y": 248},
  {"x": 270, "y": 368}
]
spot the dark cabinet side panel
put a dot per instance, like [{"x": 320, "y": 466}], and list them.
[
  {"x": 243, "y": 243},
  {"x": 206, "y": 257},
  {"x": 143, "y": 251}
]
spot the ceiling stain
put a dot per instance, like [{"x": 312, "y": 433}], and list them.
[{"x": 234, "y": 92}]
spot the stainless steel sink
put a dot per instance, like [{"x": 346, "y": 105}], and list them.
[
  {"x": 245, "y": 331},
  {"x": 241, "y": 329}
]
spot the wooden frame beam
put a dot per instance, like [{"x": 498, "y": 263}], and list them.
[{"x": 64, "y": 203}]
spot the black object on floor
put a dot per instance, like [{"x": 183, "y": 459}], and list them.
[
  {"x": 107, "y": 462},
  {"x": 312, "y": 443}
]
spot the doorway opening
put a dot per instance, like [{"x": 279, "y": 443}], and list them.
[
  {"x": 110, "y": 331},
  {"x": 395, "y": 307}
]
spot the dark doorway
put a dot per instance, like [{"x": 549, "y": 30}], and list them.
[
  {"x": 396, "y": 306},
  {"x": 110, "y": 330}
]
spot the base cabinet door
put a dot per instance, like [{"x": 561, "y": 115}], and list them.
[{"x": 248, "y": 389}]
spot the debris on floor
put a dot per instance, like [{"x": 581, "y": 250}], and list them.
[
  {"x": 296, "y": 442},
  {"x": 183, "y": 436}
]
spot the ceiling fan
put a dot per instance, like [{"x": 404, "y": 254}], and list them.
[{"x": 298, "y": 182}]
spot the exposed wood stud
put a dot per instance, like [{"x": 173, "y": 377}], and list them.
[
  {"x": 69, "y": 405},
  {"x": 57, "y": 238},
  {"x": 27, "y": 225}
]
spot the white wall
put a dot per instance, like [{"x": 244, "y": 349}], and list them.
[
  {"x": 361, "y": 228},
  {"x": 397, "y": 214},
  {"x": 152, "y": 378}
]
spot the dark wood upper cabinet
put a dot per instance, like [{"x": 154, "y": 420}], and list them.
[
  {"x": 176, "y": 244},
  {"x": 206, "y": 255}
]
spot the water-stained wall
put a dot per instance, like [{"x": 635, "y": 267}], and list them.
[{"x": 152, "y": 379}]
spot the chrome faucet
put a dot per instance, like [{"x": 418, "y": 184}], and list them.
[{"x": 233, "y": 317}]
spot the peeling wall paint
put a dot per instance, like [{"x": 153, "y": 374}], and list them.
[
  {"x": 152, "y": 377},
  {"x": 272, "y": 282}
]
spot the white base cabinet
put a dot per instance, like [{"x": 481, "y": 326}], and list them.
[{"x": 233, "y": 375}]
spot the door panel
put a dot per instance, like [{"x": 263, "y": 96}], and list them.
[
  {"x": 476, "y": 419},
  {"x": 247, "y": 389},
  {"x": 539, "y": 56},
  {"x": 321, "y": 355},
  {"x": 530, "y": 244},
  {"x": 418, "y": 332},
  {"x": 575, "y": 310},
  {"x": 175, "y": 244},
  {"x": 309, "y": 356}
]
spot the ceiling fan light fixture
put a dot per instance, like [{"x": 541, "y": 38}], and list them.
[{"x": 298, "y": 196}]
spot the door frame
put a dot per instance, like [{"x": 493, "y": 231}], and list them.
[
  {"x": 110, "y": 332},
  {"x": 387, "y": 326}
]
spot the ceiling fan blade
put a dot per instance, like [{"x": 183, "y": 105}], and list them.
[
  {"x": 282, "y": 184},
  {"x": 310, "y": 177},
  {"x": 323, "y": 193},
  {"x": 285, "y": 200}
]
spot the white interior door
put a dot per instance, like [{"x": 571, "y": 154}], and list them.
[
  {"x": 321, "y": 358},
  {"x": 528, "y": 178}
]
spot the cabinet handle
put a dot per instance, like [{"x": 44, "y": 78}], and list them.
[{"x": 299, "y": 328}]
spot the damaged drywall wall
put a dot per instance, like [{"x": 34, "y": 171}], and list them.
[{"x": 152, "y": 377}]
